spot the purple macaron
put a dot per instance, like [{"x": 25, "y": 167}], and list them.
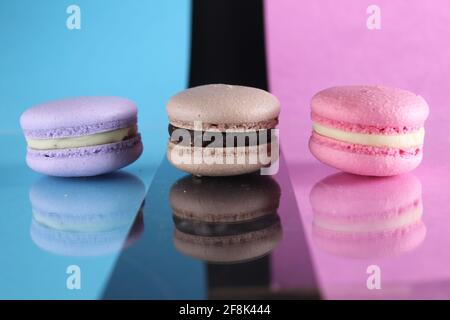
[{"x": 82, "y": 136}]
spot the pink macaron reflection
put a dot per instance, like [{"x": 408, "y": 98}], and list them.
[{"x": 367, "y": 217}]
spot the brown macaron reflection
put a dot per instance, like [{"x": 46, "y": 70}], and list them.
[{"x": 226, "y": 219}]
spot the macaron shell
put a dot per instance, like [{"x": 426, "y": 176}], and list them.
[
  {"x": 209, "y": 168},
  {"x": 216, "y": 170},
  {"x": 78, "y": 116},
  {"x": 221, "y": 103},
  {"x": 364, "y": 164},
  {"x": 88, "y": 161},
  {"x": 371, "y": 105},
  {"x": 229, "y": 249}
]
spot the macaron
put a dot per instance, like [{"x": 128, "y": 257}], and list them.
[
  {"x": 87, "y": 216},
  {"x": 222, "y": 130},
  {"x": 82, "y": 136},
  {"x": 368, "y": 130},
  {"x": 226, "y": 219},
  {"x": 367, "y": 217}
]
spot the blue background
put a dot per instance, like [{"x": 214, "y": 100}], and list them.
[{"x": 135, "y": 49}]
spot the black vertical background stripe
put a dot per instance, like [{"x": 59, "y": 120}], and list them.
[
  {"x": 228, "y": 43},
  {"x": 228, "y": 47}
]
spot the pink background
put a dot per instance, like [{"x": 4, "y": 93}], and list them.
[{"x": 314, "y": 44}]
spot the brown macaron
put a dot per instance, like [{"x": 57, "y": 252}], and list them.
[{"x": 222, "y": 130}]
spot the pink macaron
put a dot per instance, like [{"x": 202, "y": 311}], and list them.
[{"x": 368, "y": 130}]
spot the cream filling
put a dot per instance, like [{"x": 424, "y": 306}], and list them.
[
  {"x": 82, "y": 141},
  {"x": 374, "y": 226},
  {"x": 377, "y": 140}
]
